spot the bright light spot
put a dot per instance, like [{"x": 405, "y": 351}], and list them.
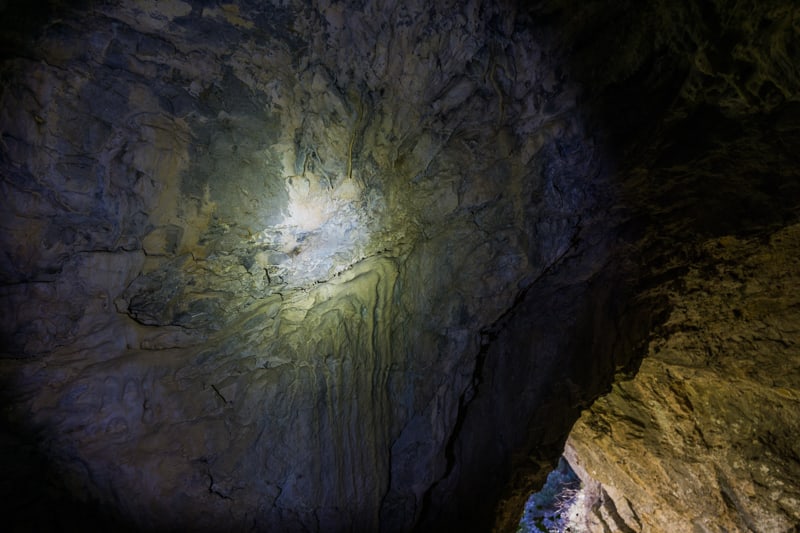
[
  {"x": 309, "y": 208},
  {"x": 324, "y": 232}
]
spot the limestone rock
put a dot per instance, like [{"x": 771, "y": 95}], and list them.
[
  {"x": 703, "y": 437},
  {"x": 250, "y": 249},
  {"x": 359, "y": 266}
]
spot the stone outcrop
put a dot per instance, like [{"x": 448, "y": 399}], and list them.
[
  {"x": 359, "y": 266},
  {"x": 698, "y": 437},
  {"x": 704, "y": 437}
]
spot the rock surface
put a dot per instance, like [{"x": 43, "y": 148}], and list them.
[
  {"x": 699, "y": 437},
  {"x": 252, "y": 249},
  {"x": 704, "y": 437},
  {"x": 359, "y": 266}
]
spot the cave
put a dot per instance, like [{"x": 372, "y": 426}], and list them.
[{"x": 382, "y": 266}]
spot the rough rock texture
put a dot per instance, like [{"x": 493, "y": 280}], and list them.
[
  {"x": 358, "y": 266},
  {"x": 698, "y": 103},
  {"x": 252, "y": 252},
  {"x": 705, "y": 437}
]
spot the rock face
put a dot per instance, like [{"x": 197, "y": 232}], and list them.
[
  {"x": 699, "y": 437},
  {"x": 704, "y": 437},
  {"x": 359, "y": 266},
  {"x": 252, "y": 251}
]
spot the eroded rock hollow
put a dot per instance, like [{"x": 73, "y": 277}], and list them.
[{"x": 360, "y": 266}]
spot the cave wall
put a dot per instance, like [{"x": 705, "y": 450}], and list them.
[
  {"x": 698, "y": 437},
  {"x": 704, "y": 437},
  {"x": 252, "y": 250},
  {"x": 361, "y": 265}
]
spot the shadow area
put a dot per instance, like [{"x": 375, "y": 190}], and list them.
[
  {"x": 33, "y": 492},
  {"x": 686, "y": 163}
]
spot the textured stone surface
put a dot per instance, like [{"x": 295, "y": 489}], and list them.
[
  {"x": 330, "y": 266},
  {"x": 250, "y": 249},
  {"x": 704, "y": 437}
]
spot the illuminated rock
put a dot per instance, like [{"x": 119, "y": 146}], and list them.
[
  {"x": 703, "y": 437},
  {"x": 359, "y": 266},
  {"x": 253, "y": 251}
]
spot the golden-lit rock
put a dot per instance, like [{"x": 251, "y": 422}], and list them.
[{"x": 704, "y": 437}]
